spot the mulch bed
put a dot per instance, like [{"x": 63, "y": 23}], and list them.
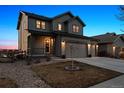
[
  {"x": 56, "y": 76},
  {"x": 7, "y": 83}
]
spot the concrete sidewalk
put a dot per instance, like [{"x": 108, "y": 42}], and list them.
[
  {"x": 117, "y": 82},
  {"x": 108, "y": 63}
]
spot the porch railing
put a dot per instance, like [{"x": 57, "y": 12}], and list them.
[{"x": 36, "y": 51}]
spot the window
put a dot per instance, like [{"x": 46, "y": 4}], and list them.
[
  {"x": 37, "y": 24},
  {"x": 59, "y": 27},
  {"x": 75, "y": 28},
  {"x": 43, "y": 25},
  {"x": 40, "y": 24}
]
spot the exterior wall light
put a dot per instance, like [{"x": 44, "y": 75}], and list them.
[
  {"x": 89, "y": 49},
  {"x": 63, "y": 47},
  {"x": 114, "y": 50}
]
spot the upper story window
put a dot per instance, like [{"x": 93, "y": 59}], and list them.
[
  {"x": 59, "y": 26},
  {"x": 43, "y": 25},
  {"x": 75, "y": 28},
  {"x": 40, "y": 24}
]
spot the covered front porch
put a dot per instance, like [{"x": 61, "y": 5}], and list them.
[{"x": 40, "y": 45}]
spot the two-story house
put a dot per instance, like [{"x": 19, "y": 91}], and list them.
[{"x": 60, "y": 35}]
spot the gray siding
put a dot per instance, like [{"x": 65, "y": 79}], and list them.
[
  {"x": 38, "y": 47},
  {"x": 32, "y": 25},
  {"x": 67, "y": 27},
  {"x": 75, "y": 22},
  {"x": 60, "y": 20}
]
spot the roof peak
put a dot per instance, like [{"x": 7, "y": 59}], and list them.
[{"x": 67, "y": 12}]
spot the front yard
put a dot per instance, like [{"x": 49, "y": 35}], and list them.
[
  {"x": 56, "y": 76},
  {"x": 7, "y": 83}
]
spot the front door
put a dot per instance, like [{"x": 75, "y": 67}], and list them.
[{"x": 47, "y": 45}]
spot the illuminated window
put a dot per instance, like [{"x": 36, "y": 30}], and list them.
[
  {"x": 75, "y": 28},
  {"x": 43, "y": 25},
  {"x": 37, "y": 24},
  {"x": 59, "y": 27}
]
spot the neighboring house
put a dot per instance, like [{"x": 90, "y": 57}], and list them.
[
  {"x": 110, "y": 44},
  {"x": 60, "y": 35}
]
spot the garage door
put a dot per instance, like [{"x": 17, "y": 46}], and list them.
[
  {"x": 76, "y": 50},
  {"x": 93, "y": 50},
  {"x": 117, "y": 51}
]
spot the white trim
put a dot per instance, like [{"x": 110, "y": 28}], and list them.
[{"x": 117, "y": 38}]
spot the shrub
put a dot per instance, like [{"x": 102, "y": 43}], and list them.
[
  {"x": 63, "y": 56},
  {"x": 121, "y": 54},
  {"x": 89, "y": 55}
]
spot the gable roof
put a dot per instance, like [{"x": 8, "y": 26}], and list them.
[
  {"x": 31, "y": 15},
  {"x": 47, "y": 18},
  {"x": 66, "y": 13},
  {"x": 77, "y": 18},
  {"x": 73, "y": 17},
  {"x": 37, "y": 16},
  {"x": 107, "y": 38},
  {"x": 19, "y": 20}
]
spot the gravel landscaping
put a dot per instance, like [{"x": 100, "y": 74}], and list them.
[
  {"x": 51, "y": 74},
  {"x": 21, "y": 74}
]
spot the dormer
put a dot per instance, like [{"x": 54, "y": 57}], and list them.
[
  {"x": 69, "y": 23},
  {"x": 59, "y": 21}
]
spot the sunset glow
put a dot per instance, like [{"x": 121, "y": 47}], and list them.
[{"x": 8, "y": 47}]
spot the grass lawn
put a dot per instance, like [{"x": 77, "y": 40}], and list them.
[
  {"x": 56, "y": 76},
  {"x": 7, "y": 83}
]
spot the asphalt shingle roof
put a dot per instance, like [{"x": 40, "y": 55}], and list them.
[
  {"x": 47, "y": 18},
  {"x": 106, "y": 38}
]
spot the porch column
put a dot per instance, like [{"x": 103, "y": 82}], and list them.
[
  {"x": 58, "y": 46},
  {"x": 30, "y": 45}
]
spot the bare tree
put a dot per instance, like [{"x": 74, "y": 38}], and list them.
[{"x": 120, "y": 16}]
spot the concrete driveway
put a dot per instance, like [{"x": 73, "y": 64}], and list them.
[{"x": 108, "y": 63}]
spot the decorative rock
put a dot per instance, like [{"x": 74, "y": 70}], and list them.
[
  {"x": 72, "y": 68},
  {"x": 22, "y": 74}
]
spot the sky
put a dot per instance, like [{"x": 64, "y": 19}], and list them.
[{"x": 98, "y": 19}]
